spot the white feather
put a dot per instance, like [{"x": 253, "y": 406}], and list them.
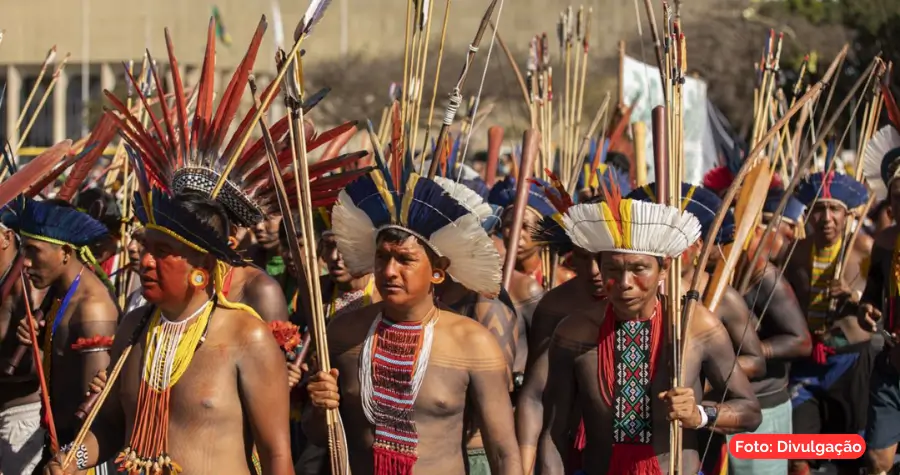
[
  {"x": 355, "y": 235},
  {"x": 656, "y": 229},
  {"x": 587, "y": 228},
  {"x": 466, "y": 197},
  {"x": 311, "y": 17},
  {"x": 474, "y": 261},
  {"x": 879, "y": 145}
]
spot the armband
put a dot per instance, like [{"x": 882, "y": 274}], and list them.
[{"x": 81, "y": 455}]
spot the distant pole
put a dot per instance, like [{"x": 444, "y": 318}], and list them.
[
  {"x": 345, "y": 40},
  {"x": 85, "y": 70}
]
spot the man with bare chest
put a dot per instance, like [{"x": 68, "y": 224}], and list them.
[
  {"x": 626, "y": 417},
  {"x": 201, "y": 369},
  {"x": 880, "y": 305},
  {"x": 781, "y": 326},
  {"x": 81, "y": 316},
  {"x": 530, "y": 278},
  {"x": 21, "y": 434},
  {"x": 406, "y": 371},
  {"x": 829, "y": 389}
]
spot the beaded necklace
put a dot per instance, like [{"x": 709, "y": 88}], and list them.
[
  {"x": 169, "y": 350},
  {"x": 393, "y": 363},
  {"x": 627, "y": 353},
  {"x": 350, "y": 301},
  {"x": 824, "y": 262}
]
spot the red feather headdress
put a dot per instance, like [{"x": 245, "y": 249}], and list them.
[{"x": 181, "y": 154}]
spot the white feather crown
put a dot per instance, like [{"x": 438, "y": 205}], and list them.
[
  {"x": 882, "y": 152},
  {"x": 632, "y": 226},
  {"x": 438, "y": 212}
]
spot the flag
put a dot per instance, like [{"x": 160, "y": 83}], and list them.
[{"x": 223, "y": 35}]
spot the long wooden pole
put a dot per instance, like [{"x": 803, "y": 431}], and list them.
[{"x": 529, "y": 152}]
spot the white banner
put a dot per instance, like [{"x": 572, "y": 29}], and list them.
[{"x": 643, "y": 92}]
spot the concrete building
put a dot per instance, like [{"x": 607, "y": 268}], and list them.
[{"x": 101, "y": 34}]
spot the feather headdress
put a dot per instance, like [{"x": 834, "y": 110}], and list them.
[
  {"x": 57, "y": 224},
  {"x": 832, "y": 187},
  {"x": 793, "y": 211},
  {"x": 882, "y": 160},
  {"x": 630, "y": 226},
  {"x": 182, "y": 154},
  {"x": 448, "y": 220},
  {"x": 550, "y": 230},
  {"x": 701, "y": 203},
  {"x": 503, "y": 194}
]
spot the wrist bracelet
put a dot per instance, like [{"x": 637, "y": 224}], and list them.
[{"x": 81, "y": 455}]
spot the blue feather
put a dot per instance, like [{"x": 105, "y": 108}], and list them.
[
  {"x": 431, "y": 208},
  {"x": 365, "y": 195},
  {"x": 60, "y": 223}
]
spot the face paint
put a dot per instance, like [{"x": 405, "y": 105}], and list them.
[{"x": 165, "y": 270}]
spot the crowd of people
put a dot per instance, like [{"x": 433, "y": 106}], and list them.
[{"x": 150, "y": 339}]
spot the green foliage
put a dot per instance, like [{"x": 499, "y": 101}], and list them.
[{"x": 816, "y": 11}]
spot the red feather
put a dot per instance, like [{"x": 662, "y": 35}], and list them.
[
  {"x": 100, "y": 137},
  {"x": 180, "y": 101},
  {"x": 203, "y": 113},
  {"x": 329, "y": 135},
  {"x": 30, "y": 173},
  {"x": 231, "y": 99}
]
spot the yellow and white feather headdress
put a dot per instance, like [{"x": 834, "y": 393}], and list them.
[{"x": 630, "y": 226}]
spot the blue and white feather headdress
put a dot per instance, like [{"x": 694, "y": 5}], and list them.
[{"x": 439, "y": 212}]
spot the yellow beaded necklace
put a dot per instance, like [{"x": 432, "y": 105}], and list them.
[{"x": 168, "y": 352}]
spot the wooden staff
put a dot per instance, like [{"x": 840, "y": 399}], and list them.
[
  {"x": 495, "y": 141},
  {"x": 529, "y": 151},
  {"x": 639, "y": 129},
  {"x": 515, "y": 67},
  {"x": 336, "y": 444},
  {"x": 39, "y": 367},
  {"x": 437, "y": 79},
  {"x": 91, "y": 406},
  {"x": 13, "y": 362},
  {"x": 455, "y": 97},
  {"x": 599, "y": 118},
  {"x": 37, "y": 82},
  {"x": 37, "y": 110}
]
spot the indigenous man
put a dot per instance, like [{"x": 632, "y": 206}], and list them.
[
  {"x": 880, "y": 304},
  {"x": 781, "y": 327},
  {"x": 633, "y": 256},
  {"x": 135, "y": 250},
  {"x": 829, "y": 389},
  {"x": 247, "y": 194},
  {"x": 201, "y": 366},
  {"x": 496, "y": 314},
  {"x": 81, "y": 316},
  {"x": 343, "y": 292},
  {"x": 409, "y": 369},
  {"x": 21, "y": 435},
  {"x": 530, "y": 277},
  {"x": 789, "y": 226},
  {"x": 703, "y": 205}
]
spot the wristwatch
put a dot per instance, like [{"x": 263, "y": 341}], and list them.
[{"x": 711, "y": 413}]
